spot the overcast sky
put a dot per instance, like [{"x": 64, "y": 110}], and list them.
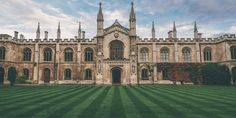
[{"x": 213, "y": 17}]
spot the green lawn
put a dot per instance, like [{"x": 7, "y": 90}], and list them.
[{"x": 147, "y": 101}]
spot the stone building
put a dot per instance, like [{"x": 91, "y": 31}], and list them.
[{"x": 116, "y": 55}]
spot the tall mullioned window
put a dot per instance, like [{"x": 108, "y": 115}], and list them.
[
  {"x": 186, "y": 52},
  {"x": 27, "y": 54},
  {"x": 48, "y": 54},
  {"x": 144, "y": 74},
  {"x": 88, "y": 55},
  {"x": 144, "y": 54},
  {"x": 233, "y": 52},
  {"x": 26, "y": 73},
  {"x": 164, "y": 55},
  {"x": 88, "y": 74},
  {"x": 2, "y": 53},
  {"x": 116, "y": 50},
  {"x": 207, "y": 54},
  {"x": 68, "y": 54},
  {"x": 67, "y": 74}
]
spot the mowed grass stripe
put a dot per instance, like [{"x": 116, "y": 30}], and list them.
[
  {"x": 128, "y": 105},
  {"x": 204, "y": 107},
  {"x": 163, "y": 103},
  {"x": 204, "y": 92},
  {"x": 174, "y": 103},
  {"x": 142, "y": 104},
  {"x": 117, "y": 110},
  {"x": 204, "y": 97},
  {"x": 67, "y": 106},
  {"x": 90, "y": 111},
  {"x": 44, "y": 109},
  {"x": 27, "y": 91},
  {"x": 29, "y": 96},
  {"x": 26, "y": 106},
  {"x": 104, "y": 110},
  {"x": 83, "y": 104}
]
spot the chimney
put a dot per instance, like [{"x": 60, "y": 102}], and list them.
[
  {"x": 22, "y": 36},
  {"x": 199, "y": 35},
  {"x": 170, "y": 34},
  {"x": 46, "y": 34},
  {"x": 83, "y": 34},
  {"x": 15, "y": 34}
]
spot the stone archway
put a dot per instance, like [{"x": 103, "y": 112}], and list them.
[
  {"x": 46, "y": 75},
  {"x": 2, "y": 72},
  {"x": 12, "y": 74},
  {"x": 116, "y": 75},
  {"x": 234, "y": 74}
]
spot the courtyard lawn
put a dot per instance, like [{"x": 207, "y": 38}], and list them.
[{"x": 146, "y": 101}]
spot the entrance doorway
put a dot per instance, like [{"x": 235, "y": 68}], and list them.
[
  {"x": 234, "y": 74},
  {"x": 46, "y": 75},
  {"x": 116, "y": 75},
  {"x": 1, "y": 75}
]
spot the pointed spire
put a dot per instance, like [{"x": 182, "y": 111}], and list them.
[
  {"x": 153, "y": 27},
  {"x": 174, "y": 31},
  {"x": 79, "y": 31},
  {"x": 153, "y": 30},
  {"x": 174, "y": 27},
  {"x": 100, "y": 14},
  {"x": 59, "y": 28},
  {"x": 59, "y": 31},
  {"x": 132, "y": 14},
  {"x": 38, "y": 29},
  {"x": 195, "y": 27}
]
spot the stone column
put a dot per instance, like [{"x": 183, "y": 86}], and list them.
[
  {"x": 57, "y": 62},
  {"x": 154, "y": 50},
  {"x": 176, "y": 52},
  {"x": 36, "y": 65},
  {"x": 79, "y": 61},
  {"x": 198, "y": 52}
]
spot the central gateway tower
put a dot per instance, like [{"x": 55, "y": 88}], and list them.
[{"x": 116, "y": 51}]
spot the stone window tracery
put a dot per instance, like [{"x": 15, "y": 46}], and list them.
[{"x": 27, "y": 54}]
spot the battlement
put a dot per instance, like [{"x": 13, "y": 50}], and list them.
[
  {"x": 66, "y": 40},
  {"x": 228, "y": 36},
  {"x": 180, "y": 40}
]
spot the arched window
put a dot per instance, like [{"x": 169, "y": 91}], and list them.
[
  {"x": 48, "y": 54},
  {"x": 144, "y": 74},
  {"x": 67, "y": 74},
  {"x": 2, "y": 53},
  {"x": 164, "y": 54},
  {"x": 88, "y": 54},
  {"x": 68, "y": 54},
  {"x": 207, "y": 54},
  {"x": 88, "y": 74},
  {"x": 186, "y": 54},
  {"x": 233, "y": 52},
  {"x": 116, "y": 50},
  {"x": 165, "y": 74},
  {"x": 27, "y": 54},
  {"x": 144, "y": 54},
  {"x": 26, "y": 73}
]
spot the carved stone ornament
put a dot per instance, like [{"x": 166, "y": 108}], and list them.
[{"x": 116, "y": 35}]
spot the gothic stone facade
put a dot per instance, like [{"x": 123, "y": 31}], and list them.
[{"x": 116, "y": 55}]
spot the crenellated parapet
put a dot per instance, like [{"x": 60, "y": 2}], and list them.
[{"x": 182, "y": 40}]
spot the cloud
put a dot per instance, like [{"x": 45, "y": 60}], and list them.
[{"x": 213, "y": 16}]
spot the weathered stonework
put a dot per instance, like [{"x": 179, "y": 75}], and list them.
[{"x": 128, "y": 68}]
